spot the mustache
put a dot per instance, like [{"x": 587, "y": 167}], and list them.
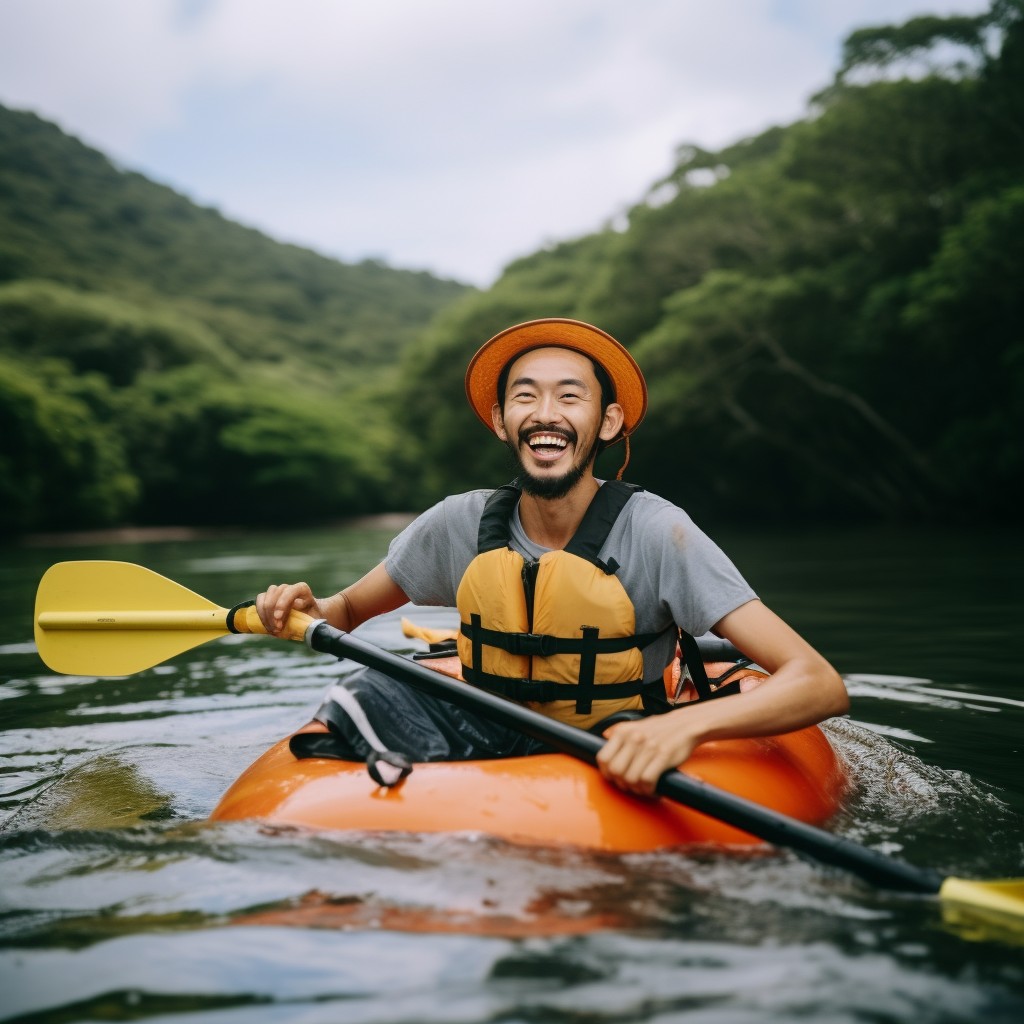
[{"x": 527, "y": 432}]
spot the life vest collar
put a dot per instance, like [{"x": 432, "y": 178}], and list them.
[{"x": 496, "y": 521}]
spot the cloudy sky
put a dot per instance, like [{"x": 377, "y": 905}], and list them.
[{"x": 449, "y": 135}]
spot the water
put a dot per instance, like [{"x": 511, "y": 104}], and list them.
[{"x": 119, "y": 902}]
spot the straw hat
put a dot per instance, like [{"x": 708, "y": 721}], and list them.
[{"x": 486, "y": 366}]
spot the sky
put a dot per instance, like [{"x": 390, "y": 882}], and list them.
[{"x": 444, "y": 135}]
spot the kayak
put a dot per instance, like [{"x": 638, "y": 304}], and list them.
[{"x": 544, "y": 799}]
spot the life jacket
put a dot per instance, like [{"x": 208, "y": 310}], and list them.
[{"x": 558, "y": 633}]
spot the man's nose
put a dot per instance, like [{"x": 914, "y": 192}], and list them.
[{"x": 546, "y": 410}]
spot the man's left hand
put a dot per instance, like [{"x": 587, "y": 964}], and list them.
[{"x": 638, "y": 752}]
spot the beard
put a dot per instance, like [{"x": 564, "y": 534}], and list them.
[{"x": 550, "y": 488}]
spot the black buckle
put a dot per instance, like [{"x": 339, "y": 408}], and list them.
[{"x": 533, "y": 644}]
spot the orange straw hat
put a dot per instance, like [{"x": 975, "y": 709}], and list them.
[{"x": 485, "y": 367}]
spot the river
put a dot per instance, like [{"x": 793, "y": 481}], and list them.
[{"x": 120, "y": 902}]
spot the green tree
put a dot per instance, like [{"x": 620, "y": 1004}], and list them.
[
  {"x": 60, "y": 467},
  {"x": 93, "y": 332},
  {"x": 792, "y": 298},
  {"x": 972, "y": 290},
  {"x": 210, "y": 450}
]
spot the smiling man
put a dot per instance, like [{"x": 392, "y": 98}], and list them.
[
  {"x": 571, "y": 591},
  {"x": 550, "y": 394}
]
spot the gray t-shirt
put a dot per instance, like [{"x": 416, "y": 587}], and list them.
[{"x": 671, "y": 570}]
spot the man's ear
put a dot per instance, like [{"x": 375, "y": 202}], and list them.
[
  {"x": 499, "y": 422},
  {"x": 612, "y": 422}
]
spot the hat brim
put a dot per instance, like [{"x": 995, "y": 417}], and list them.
[{"x": 493, "y": 356}]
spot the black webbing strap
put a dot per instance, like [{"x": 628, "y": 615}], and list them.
[
  {"x": 476, "y": 641},
  {"x": 695, "y": 663},
  {"x": 495, "y": 520},
  {"x": 545, "y": 645},
  {"x": 599, "y": 519},
  {"x": 323, "y": 745},
  {"x": 544, "y": 691},
  {"x": 588, "y": 665},
  {"x": 332, "y": 747}
]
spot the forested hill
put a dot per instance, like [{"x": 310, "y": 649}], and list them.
[
  {"x": 68, "y": 215},
  {"x": 159, "y": 363},
  {"x": 830, "y": 315}
]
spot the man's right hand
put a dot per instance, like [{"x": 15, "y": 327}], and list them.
[
  {"x": 374, "y": 594},
  {"x": 276, "y": 603}
]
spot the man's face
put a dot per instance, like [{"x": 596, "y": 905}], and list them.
[{"x": 552, "y": 419}]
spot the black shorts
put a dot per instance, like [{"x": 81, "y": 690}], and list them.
[{"x": 421, "y": 727}]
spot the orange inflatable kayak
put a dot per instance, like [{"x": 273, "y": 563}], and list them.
[{"x": 545, "y": 799}]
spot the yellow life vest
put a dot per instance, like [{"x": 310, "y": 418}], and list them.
[{"x": 558, "y": 633}]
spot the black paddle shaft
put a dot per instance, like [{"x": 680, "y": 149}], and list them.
[{"x": 775, "y": 828}]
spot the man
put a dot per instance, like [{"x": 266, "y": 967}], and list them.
[{"x": 570, "y": 590}]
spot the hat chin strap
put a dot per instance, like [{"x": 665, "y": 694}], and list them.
[{"x": 625, "y": 463}]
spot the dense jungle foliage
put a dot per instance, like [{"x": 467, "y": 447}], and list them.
[
  {"x": 160, "y": 364},
  {"x": 829, "y": 316}
]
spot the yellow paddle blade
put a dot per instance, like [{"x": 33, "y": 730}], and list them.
[
  {"x": 1004, "y": 896},
  {"x": 103, "y": 618},
  {"x": 431, "y": 636},
  {"x": 115, "y": 618},
  {"x": 984, "y": 911}
]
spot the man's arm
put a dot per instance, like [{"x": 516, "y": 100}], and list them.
[
  {"x": 374, "y": 594},
  {"x": 804, "y": 690}
]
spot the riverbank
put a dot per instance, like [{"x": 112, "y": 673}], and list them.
[{"x": 163, "y": 534}]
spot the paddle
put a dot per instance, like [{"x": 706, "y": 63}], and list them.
[{"x": 114, "y": 618}]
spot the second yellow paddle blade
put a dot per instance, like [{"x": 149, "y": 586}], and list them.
[
  {"x": 103, "y": 618},
  {"x": 427, "y": 633},
  {"x": 999, "y": 904}
]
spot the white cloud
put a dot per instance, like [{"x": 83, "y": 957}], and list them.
[
  {"x": 449, "y": 134},
  {"x": 110, "y": 70}
]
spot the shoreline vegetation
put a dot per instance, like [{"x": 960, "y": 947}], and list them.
[
  {"x": 392, "y": 521},
  {"x": 828, "y": 316}
]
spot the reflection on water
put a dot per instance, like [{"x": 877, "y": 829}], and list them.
[{"x": 119, "y": 901}]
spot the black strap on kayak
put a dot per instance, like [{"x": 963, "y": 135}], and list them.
[
  {"x": 734, "y": 686},
  {"x": 439, "y": 651},
  {"x": 330, "y": 746},
  {"x": 342, "y": 710},
  {"x": 327, "y": 745},
  {"x": 690, "y": 659},
  {"x": 394, "y": 760}
]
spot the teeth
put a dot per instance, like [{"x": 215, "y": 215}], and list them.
[{"x": 549, "y": 439}]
